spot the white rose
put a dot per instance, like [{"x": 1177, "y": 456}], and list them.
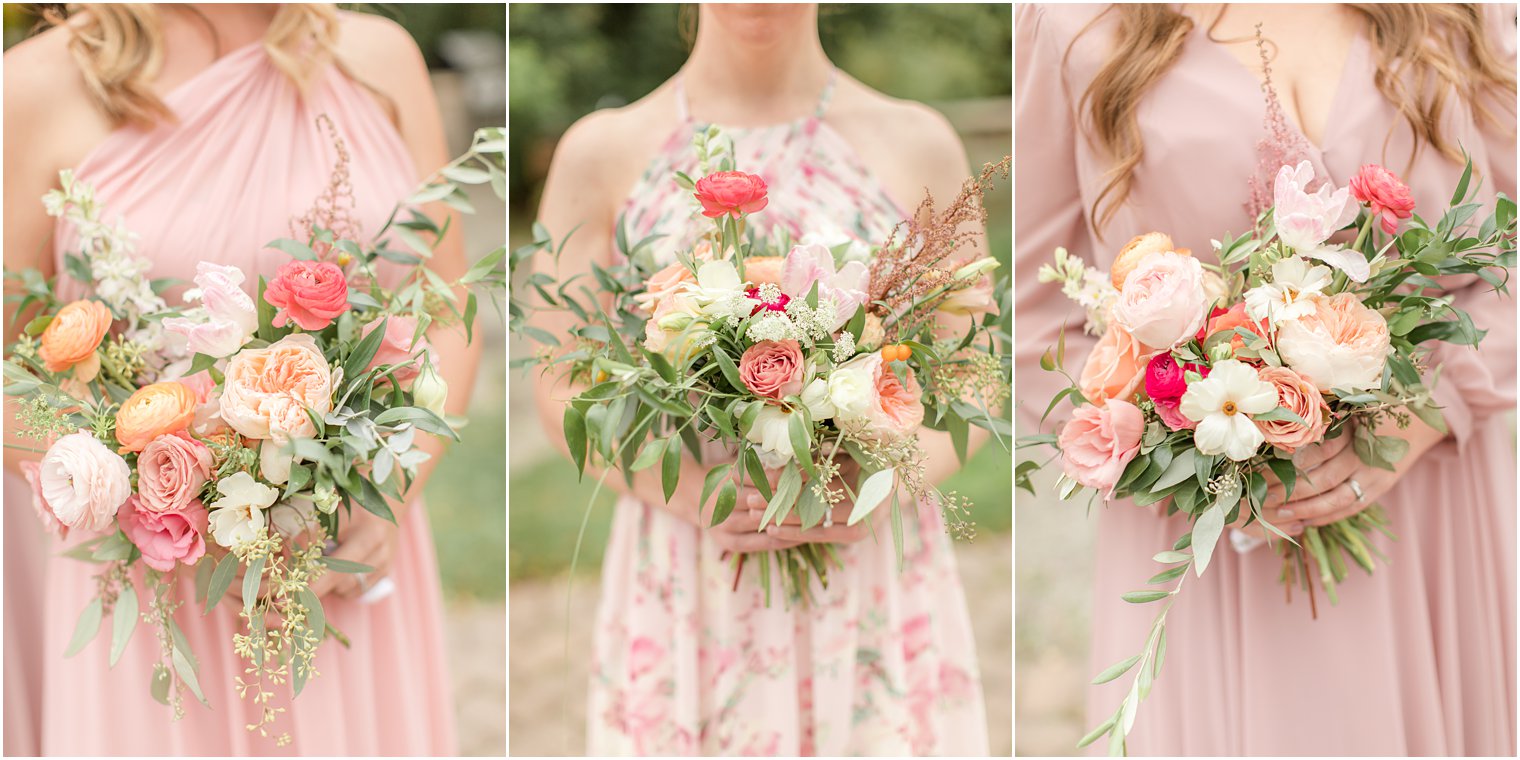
[
  {"x": 772, "y": 436},
  {"x": 238, "y": 516},
  {"x": 852, "y": 385},
  {"x": 816, "y": 398},
  {"x": 430, "y": 391}
]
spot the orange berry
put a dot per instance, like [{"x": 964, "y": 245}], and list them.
[
  {"x": 888, "y": 352},
  {"x": 904, "y": 353}
]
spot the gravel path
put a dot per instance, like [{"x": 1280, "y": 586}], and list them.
[
  {"x": 548, "y": 710},
  {"x": 477, "y": 652}
]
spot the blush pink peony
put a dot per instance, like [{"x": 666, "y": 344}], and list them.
[
  {"x": 1099, "y": 442},
  {"x": 1163, "y": 301}
]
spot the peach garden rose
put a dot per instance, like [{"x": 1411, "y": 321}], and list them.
[
  {"x": 1115, "y": 368},
  {"x": 1342, "y": 344},
  {"x": 267, "y": 391}
]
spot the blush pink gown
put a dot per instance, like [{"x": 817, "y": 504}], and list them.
[
  {"x": 1418, "y": 659},
  {"x": 245, "y": 158},
  {"x": 884, "y": 662}
]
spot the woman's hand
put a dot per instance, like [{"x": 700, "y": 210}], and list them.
[
  {"x": 741, "y": 531},
  {"x": 368, "y": 540},
  {"x": 1323, "y": 492}
]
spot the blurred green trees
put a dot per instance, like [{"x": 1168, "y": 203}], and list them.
[{"x": 568, "y": 60}]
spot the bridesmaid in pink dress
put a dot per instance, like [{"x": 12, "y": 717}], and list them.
[
  {"x": 686, "y": 661},
  {"x": 1417, "y": 659},
  {"x": 242, "y": 157}
]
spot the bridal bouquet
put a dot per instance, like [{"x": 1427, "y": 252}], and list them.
[
  {"x": 1208, "y": 377},
  {"x": 820, "y": 362},
  {"x": 232, "y": 435}
]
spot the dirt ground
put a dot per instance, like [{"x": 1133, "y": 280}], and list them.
[
  {"x": 548, "y": 710},
  {"x": 477, "y": 647}
]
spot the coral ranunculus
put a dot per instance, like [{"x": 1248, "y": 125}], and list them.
[
  {"x": 772, "y": 368},
  {"x": 732, "y": 193},
  {"x": 1300, "y": 397},
  {"x": 312, "y": 293},
  {"x": 1100, "y": 441},
  {"x": 166, "y": 538},
  {"x": 1385, "y": 194},
  {"x": 267, "y": 391},
  {"x": 1115, "y": 367},
  {"x": 73, "y": 335},
  {"x": 154, "y": 410}
]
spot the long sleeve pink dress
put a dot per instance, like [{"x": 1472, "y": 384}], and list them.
[
  {"x": 1417, "y": 659},
  {"x": 246, "y": 157},
  {"x": 883, "y": 662}
]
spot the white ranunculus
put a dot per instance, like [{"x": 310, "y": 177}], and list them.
[
  {"x": 1222, "y": 405},
  {"x": 852, "y": 385},
  {"x": 719, "y": 291},
  {"x": 84, "y": 482},
  {"x": 238, "y": 515},
  {"x": 772, "y": 436}
]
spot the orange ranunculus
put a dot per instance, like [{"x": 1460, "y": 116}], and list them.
[
  {"x": 763, "y": 270},
  {"x": 74, "y": 334},
  {"x": 154, "y": 410},
  {"x": 1138, "y": 249}
]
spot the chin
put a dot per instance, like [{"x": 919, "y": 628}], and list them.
[{"x": 759, "y": 23}]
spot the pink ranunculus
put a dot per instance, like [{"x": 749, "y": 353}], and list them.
[
  {"x": 33, "y": 472},
  {"x": 662, "y": 285},
  {"x": 312, "y": 293},
  {"x": 84, "y": 482},
  {"x": 732, "y": 193},
  {"x": 1305, "y": 220},
  {"x": 165, "y": 538},
  {"x": 231, "y": 316},
  {"x": 1114, "y": 368},
  {"x": 1385, "y": 194},
  {"x": 899, "y": 408},
  {"x": 397, "y": 346},
  {"x": 1164, "y": 378},
  {"x": 1342, "y": 344},
  {"x": 813, "y": 263},
  {"x": 1300, "y": 397},
  {"x": 170, "y": 472},
  {"x": 1100, "y": 441},
  {"x": 772, "y": 368},
  {"x": 1170, "y": 412},
  {"x": 1163, "y": 301}
]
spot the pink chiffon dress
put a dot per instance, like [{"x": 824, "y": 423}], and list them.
[
  {"x": 883, "y": 662},
  {"x": 1417, "y": 659},
  {"x": 244, "y": 158}
]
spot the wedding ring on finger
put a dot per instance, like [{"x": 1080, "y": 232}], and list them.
[
  {"x": 1356, "y": 488},
  {"x": 382, "y": 589}
]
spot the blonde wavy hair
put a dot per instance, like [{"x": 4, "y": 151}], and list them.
[
  {"x": 1426, "y": 53},
  {"x": 120, "y": 49}
]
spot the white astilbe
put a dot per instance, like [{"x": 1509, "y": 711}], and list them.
[
  {"x": 118, "y": 275},
  {"x": 1087, "y": 286}
]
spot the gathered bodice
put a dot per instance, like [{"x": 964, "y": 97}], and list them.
[
  {"x": 243, "y": 160},
  {"x": 817, "y": 183}
]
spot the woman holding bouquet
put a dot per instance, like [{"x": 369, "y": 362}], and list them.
[
  {"x": 689, "y": 658},
  {"x": 198, "y": 126},
  {"x": 1146, "y": 117}
]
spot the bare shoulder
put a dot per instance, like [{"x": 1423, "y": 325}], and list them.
[
  {"x": 47, "y": 104},
  {"x": 606, "y": 151},
  {"x": 909, "y": 145},
  {"x": 381, "y": 53}
]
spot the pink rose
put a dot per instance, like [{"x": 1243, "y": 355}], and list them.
[
  {"x": 732, "y": 193},
  {"x": 1113, "y": 369},
  {"x": 1170, "y": 412},
  {"x": 32, "y": 472},
  {"x": 397, "y": 346},
  {"x": 165, "y": 538},
  {"x": 1300, "y": 397},
  {"x": 772, "y": 368},
  {"x": 1343, "y": 344},
  {"x": 898, "y": 411},
  {"x": 170, "y": 472},
  {"x": 662, "y": 285},
  {"x": 312, "y": 293},
  {"x": 83, "y": 482},
  {"x": 1164, "y": 378},
  {"x": 1100, "y": 441},
  {"x": 1385, "y": 195},
  {"x": 1163, "y": 301}
]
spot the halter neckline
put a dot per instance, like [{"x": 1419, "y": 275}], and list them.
[{"x": 683, "y": 106}]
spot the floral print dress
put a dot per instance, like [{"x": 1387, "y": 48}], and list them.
[{"x": 687, "y": 662}]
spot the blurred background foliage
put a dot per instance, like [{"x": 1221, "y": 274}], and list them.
[{"x": 567, "y": 60}]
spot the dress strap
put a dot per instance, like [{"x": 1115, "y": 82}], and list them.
[
  {"x": 827, "y": 94},
  {"x": 682, "y": 108}
]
